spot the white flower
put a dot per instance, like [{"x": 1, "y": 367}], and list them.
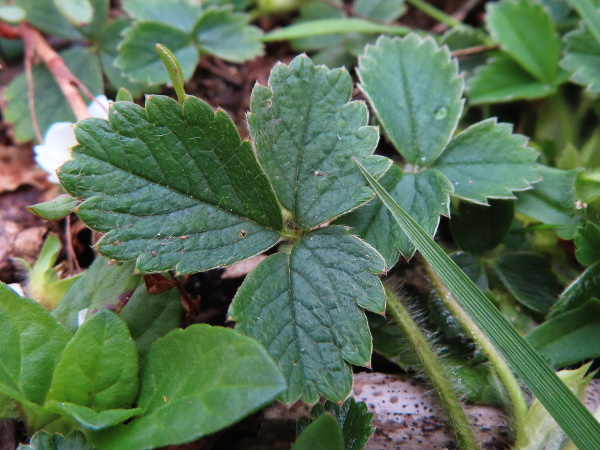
[{"x": 60, "y": 137}]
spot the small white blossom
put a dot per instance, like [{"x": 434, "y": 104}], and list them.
[{"x": 60, "y": 138}]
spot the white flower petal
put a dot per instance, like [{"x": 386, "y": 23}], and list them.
[
  {"x": 81, "y": 316},
  {"x": 55, "y": 151},
  {"x": 99, "y": 111}
]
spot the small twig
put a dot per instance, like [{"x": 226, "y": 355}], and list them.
[
  {"x": 460, "y": 14},
  {"x": 73, "y": 263},
  {"x": 67, "y": 82},
  {"x": 473, "y": 50},
  {"x": 190, "y": 306},
  {"x": 29, "y": 55}
]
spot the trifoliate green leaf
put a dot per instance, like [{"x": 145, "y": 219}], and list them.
[
  {"x": 75, "y": 440},
  {"x": 529, "y": 278},
  {"x": 45, "y": 16},
  {"x": 305, "y": 309},
  {"x": 138, "y": 57},
  {"x": 503, "y": 80},
  {"x": 582, "y": 58},
  {"x": 414, "y": 88},
  {"x": 305, "y": 132},
  {"x": 571, "y": 337},
  {"x": 322, "y": 434},
  {"x": 488, "y": 161},
  {"x": 109, "y": 38},
  {"x": 195, "y": 382},
  {"x": 180, "y": 14},
  {"x": 227, "y": 35},
  {"x": 99, "y": 366},
  {"x": 50, "y": 103},
  {"x": 173, "y": 187},
  {"x": 32, "y": 342},
  {"x": 552, "y": 201},
  {"x": 588, "y": 244},
  {"x": 525, "y": 30},
  {"x": 425, "y": 195},
  {"x": 353, "y": 418}
]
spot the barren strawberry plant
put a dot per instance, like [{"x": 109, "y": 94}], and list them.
[{"x": 237, "y": 240}]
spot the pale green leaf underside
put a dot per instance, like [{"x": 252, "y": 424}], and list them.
[
  {"x": 227, "y": 35},
  {"x": 488, "y": 161},
  {"x": 180, "y": 14},
  {"x": 169, "y": 186},
  {"x": 90, "y": 418},
  {"x": 503, "y": 80},
  {"x": 566, "y": 409},
  {"x": 424, "y": 195},
  {"x": 582, "y": 58},
  {"x": 195, "y": 382},
  {"x": 99, "y": 366},
  {"x": 552, "y": 200},
  {"x": 138, "y": 57},
  {"x": 305, "y": 309},
  {"x": 305, "y": 132},
  {"x": 32, "y": 342},
  {"x": 414, "y": 88},
  {"x": 526, "y": 31},
  {"x": 77, "y": 12}
]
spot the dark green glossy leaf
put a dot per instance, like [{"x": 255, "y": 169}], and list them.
[
  {"x": 529, "y": 277},
  {"x": 503, "y": 80},
  {"x": 169, "y": 186},
  {"x": 353, "y": 418},
  {"x": 323, "y": 434},
  {"x": 98, "y": 367},
  {"x": 587, "y": 241},
  {"x": 305, "y": 131},
  {"x": 488, "y": 161},
  {"x": 582, "y": 58},
  {"x": 584, "y": 287},
  {"x": 571, "y": 337},
  {"x": 59, "y": 208},
  {"x": 525, "y": 30},
  {"x": 418, "y": 113},
  {"x": 90, "y": 418},
  {"x": 553, "y": 200},
  {"x": 32, "y": 344},
  {"x": 479, "y": 228},
  {"x": 390, "y": 342},
  {"x": 425, "y": 195},
  {"x": 138, "y": 58},
  {"x": 180, "y": 14},
  {"x": 75, "y": 440},
  {"x": 50, "y": 103},
  {"x": 228, "y": 35},
  {"x": 305, "y": 309},
  {"x": 195, "y": 382}
]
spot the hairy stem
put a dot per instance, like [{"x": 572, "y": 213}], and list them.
[
  {"x": 505, "y": 374},
  {"x": 434, "y": 371}
]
